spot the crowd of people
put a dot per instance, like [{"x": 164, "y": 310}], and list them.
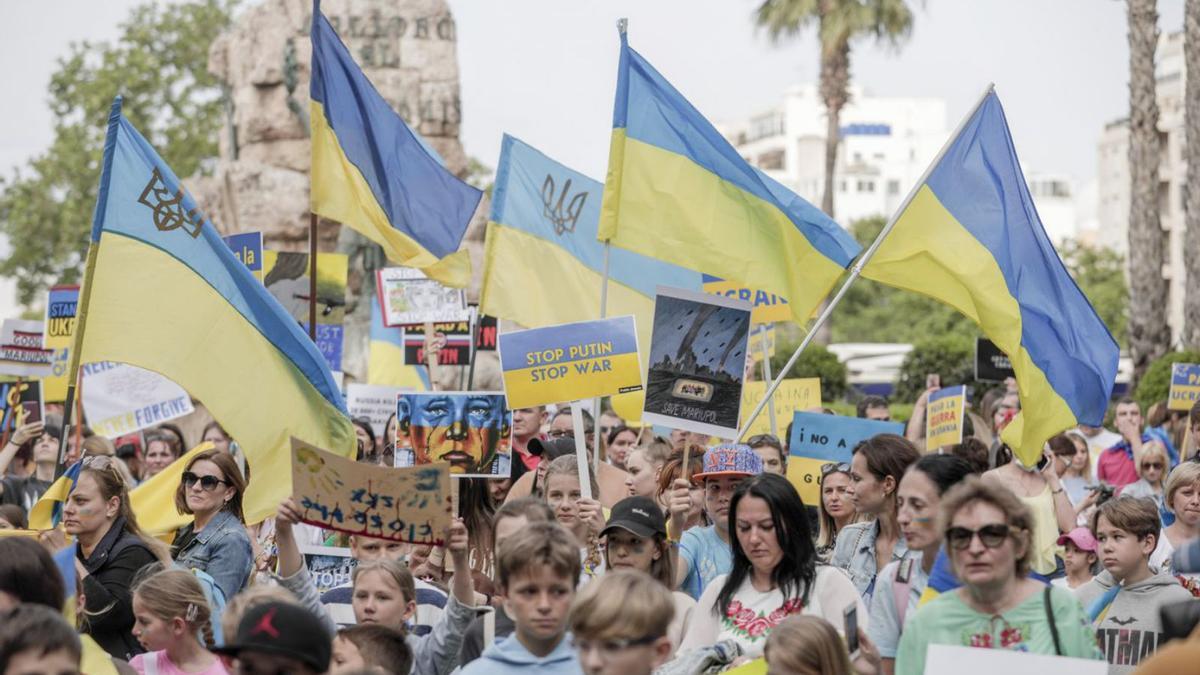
[{"x": 680, "y": 555}]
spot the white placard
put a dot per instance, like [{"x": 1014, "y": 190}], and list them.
[
  {"x": 407, "y": 296},
  {"x": 22, "y": 352},
  {"x": 120, "y": 399},
  {"x": 948, "y": 660},
  {"x": 376, "y": 402}
]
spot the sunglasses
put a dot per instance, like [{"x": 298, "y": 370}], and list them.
[
  {"x": 992, "y": 536},
  {"x": 1152, "y": 465},
  {"x": 830, "y": 467},
  {"x": 208, "y": 483}
]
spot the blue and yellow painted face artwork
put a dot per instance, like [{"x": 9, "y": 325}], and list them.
[{"x": 470, "y": 430}]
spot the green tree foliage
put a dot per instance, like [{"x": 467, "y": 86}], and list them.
[
  {"x": 159, "y": 66},
  {"x": 951, "y": 357},
  {"x": 815, "y": 361},
  {"x": 1156, "y": 382}
]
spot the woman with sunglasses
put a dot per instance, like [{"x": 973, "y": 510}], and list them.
[
  {"x": 835, "y": 509},
  {"x": 1152, "y": 468},
  {"x": 988, "y": 540},
  {"x": 216, "y": 540}
]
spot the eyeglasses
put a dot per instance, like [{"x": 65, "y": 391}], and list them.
[
  {"x": 992, "y": 536},
  {"x": 562, "y": 433},
  {"x": 98, "y": 462},
  {"x": 610, "y": 648},
  {"x": 1152, "y": 465},
  {"x": 761, "y": 439},
  {"x": 830, "y": 467},
  {"x": 207, "y": 483}
]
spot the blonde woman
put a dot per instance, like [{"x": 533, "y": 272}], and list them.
[
  {"x": 1152, "y": 466},
  {"x": 1182, "y": 497}
]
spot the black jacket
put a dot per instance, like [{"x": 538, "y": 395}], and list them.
[{"x": 107, "y": 589}]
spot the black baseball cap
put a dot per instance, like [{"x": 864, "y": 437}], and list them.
[
  {"x": 639, "y": 515},
  {"x": 550, "y": 449},
  {"x": 283, "y": 629}
]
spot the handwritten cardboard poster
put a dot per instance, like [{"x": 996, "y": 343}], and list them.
[
  {"x": 818, "y": 439},
  {"x": 119, "y": 398},
  {"x": 336, "y": 493},
  {"x": 61, "y": 305},
  {"x": 407, "y": 296},
  {"x": 944, "y": 417},
  {"x": 472, "y": 431},
  {"x": 797, "y": 393},
  {"x": 1185, "y": 386},
  {"x": 570, "y": 362},
  {"x": 21, "y": 403},
  {"x": 21, "y": 350},
  {"x": 286, "y": 277},
  {"x": 697, "y": 362}
]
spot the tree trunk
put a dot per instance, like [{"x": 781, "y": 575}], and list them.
[
  {"x": 1191, "y": 205},
  {"x": 1149, "y": 335},
  {"x": 835, "y": 82}
]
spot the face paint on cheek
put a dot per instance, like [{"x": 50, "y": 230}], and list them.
[{"x": 923, "y": 521}]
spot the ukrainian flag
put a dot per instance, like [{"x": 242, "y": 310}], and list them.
[
  {"x": 371, "y": 172},
  {"x": 678, "y": 191},
  {"x": 385, "y": 356},
  {"x": 971, "y": 238},
  {"x": 163, "y": 292}
]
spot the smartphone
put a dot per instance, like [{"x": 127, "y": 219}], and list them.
[
  {"x": 850, "y": 626},
  {"x": 933, "y": 380}
]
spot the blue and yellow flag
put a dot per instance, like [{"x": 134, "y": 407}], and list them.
[
  {"x": 385, "y": 355},
  {"x": 372, "y": 173},
  {"x": 678, "y": 191},
  {"x": 971, "y": 238},
  {"x": 163, "y": 292},
  {"x": 46, "y": 513}
]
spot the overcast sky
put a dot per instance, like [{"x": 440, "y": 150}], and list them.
[{"x": 544, "y": 70}]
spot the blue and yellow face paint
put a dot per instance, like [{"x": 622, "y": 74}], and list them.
[{"x": 469, "y": 430}]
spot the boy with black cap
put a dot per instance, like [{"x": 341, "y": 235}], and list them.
[{"x": 279, "y": 637}]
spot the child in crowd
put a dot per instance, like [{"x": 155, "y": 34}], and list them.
[
  {"x": 619, "y": 624},
  {"x": 370, "y": 648},
  {"x": 1123, "y": 601},
  {"x": 279, "y": 637},
  {"x": 537, "y": 572},
  {"x": 806, "y": 645},
  {"x": 36, "y": 639},
  {"x": 1079, "y": 558},
  {"x": 170, "y": 615}
]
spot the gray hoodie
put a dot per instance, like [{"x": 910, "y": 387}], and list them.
[{"x": 1130, "y": 630}]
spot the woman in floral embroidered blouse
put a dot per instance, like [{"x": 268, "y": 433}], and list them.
[{"x": 775, "y": 573}]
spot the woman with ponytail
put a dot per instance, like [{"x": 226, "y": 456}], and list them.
[{"x": 171, "y": 618}]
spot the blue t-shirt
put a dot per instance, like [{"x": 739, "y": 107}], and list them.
[{"x": 706, "y": 557}]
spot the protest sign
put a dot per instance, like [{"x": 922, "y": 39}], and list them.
[
  {"x": 991, "y": 364},
  {"x": 410, "y": 505},
  {"x": 248, "y": 248},
  {"x": 469, "y": 430},
  {"x": 949, "y": 660},
  {"x": 818, "y": 439},
  {"x": 944, "y": 417},
  {"x": 376, "y": 402},
  {"x": 119, "y": 398},
  {"x": 61, "y": 305},
  {"x": 697, "y": 362},
  {"x": 762, "y": 342},
  {"x": 1185, "y": 386},
  {"x": 457, "y": 351},
  {"x": 286, "y": 277},
  {"x": 799, "y": 393},
  {"x": 21, "y": 350},
  {"x": 21, "y": 403},
  {"x": 767, "y": 307},
  {"x": 570, "y": 362},
  {"x": 328, "y": 566},
  {"x": 407, "y": 296}
]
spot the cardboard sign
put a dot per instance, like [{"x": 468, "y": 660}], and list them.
[
  {"x": 697, "y": 362},
  {"x": 991, "y": 364},
  {"x": 457, "y": 351},
  {"x": 768, "y": 307},
  {"x": 61, "y": 305},
  {"x": 328, "y": 566},
  {"x": 570, "y": 362},
  {"x": 1185, "y": 386},
  {"x": 407, "y": 296},
  {"x": 21, "y": 350},
  {"x": 472, "y": 431},
  {"x": 376, "y": 402},
  {"x": 953, "y": 660},
  {"x": 799, "y": 393},
  {"x": 248, "y": 248},
  {"x": 20, "y": 403},
  {"x": 818, "y": 439},
  {"x": 944, "y": 417},
  {"x": 286, "y": 277},
  {"x": 119, "y": 399},
  {"x": 336, "y": 493}
]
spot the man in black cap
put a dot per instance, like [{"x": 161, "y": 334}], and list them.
[{"x": 277, "y": 638}]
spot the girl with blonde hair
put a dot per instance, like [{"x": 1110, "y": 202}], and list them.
[{"x": 170, "y": 616}]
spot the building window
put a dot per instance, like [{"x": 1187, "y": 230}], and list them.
[
  {"x": 893, "y": 187},
  {"x": 866, "y": 186},
  {"x": 771, "y": 161}
]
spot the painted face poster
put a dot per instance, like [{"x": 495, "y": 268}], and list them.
[
  {"x": 797, "y": 393},
  {"x": 570, "y": 362},
  {"x": 61, "y": 305},
  {"x": 819, "y": 439},
  {"x": 1185, "y": 386},
  {"x": 457, "y": 351},
  {"x": 120, "y": 399},
  {"x": 248, "y": 248},
  {"x": 768, "y": 307},
  {"x": 286, "y": 276},
  {"x": 407, "y": 296},
  {"x": 340, "y": 494},
  {"x": 469, "y": 430},
  {"x": 22, "y": 404},
  {"x": 22, "y": 353},
  {"x": 697, "y": 362},
  {"x": 944, "y": 417}
]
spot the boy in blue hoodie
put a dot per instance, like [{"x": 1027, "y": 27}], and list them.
[{"x": 537, "y": 570}]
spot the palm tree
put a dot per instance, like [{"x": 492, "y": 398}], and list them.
[
  {"x": 1191, "y": 205},
  {"x": 1149, "y": 335},
  {"x": 838, "y": 23}
]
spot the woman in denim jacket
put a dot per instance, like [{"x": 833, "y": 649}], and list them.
[{"x": 215, "y": 541}]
